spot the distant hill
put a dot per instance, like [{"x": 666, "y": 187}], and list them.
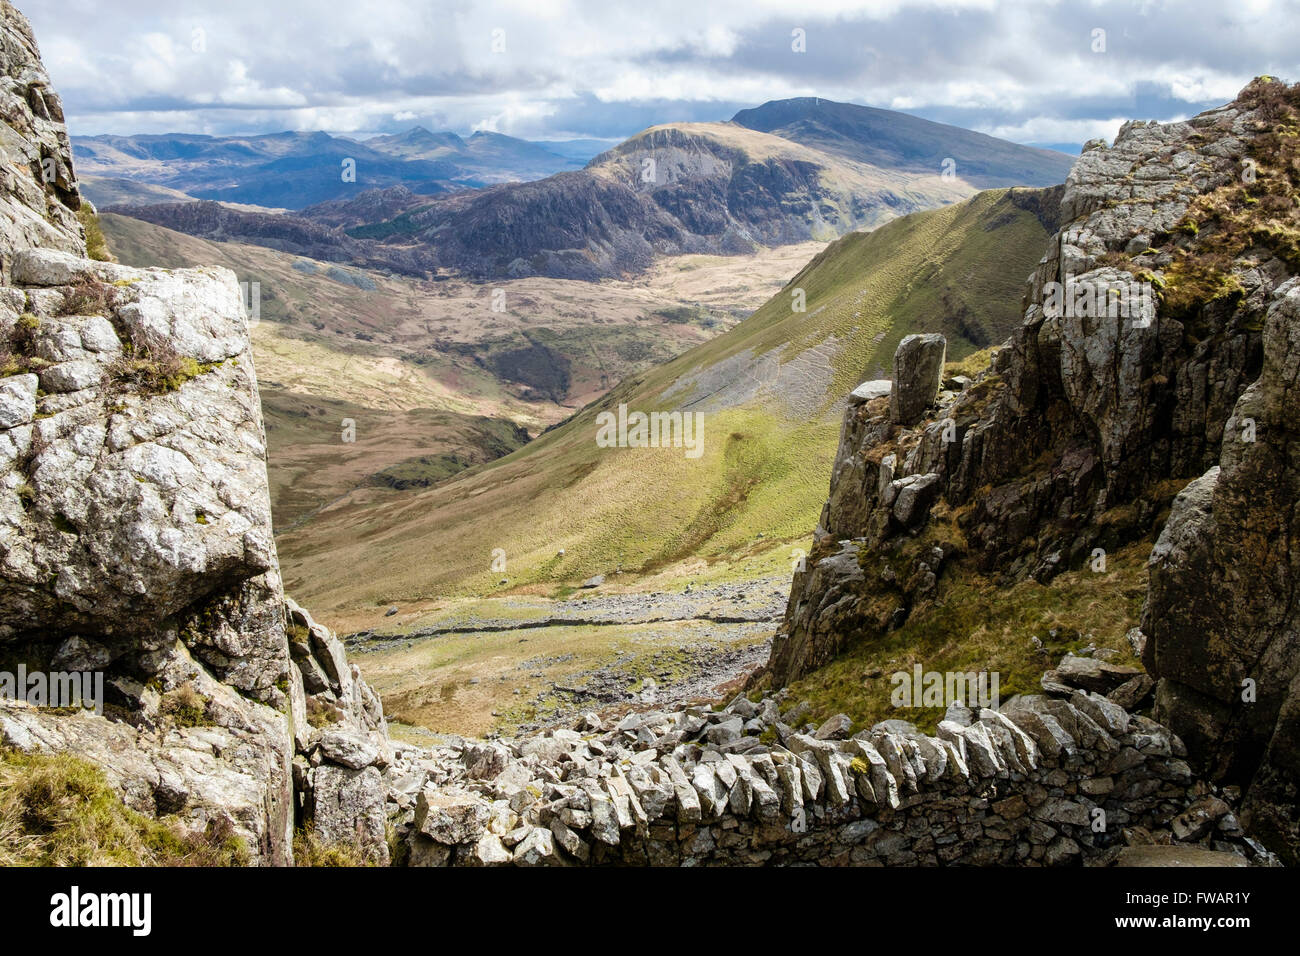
[
  {"x": 784, "y": 172},
  {"x": 291, "y": 170}
]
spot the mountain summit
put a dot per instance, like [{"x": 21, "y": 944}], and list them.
[{"x": 901, "y": 141}]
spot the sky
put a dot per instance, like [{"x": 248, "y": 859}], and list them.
[{"x": 1033, "y": 72}]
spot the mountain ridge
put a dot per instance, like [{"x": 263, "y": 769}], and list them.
[{"x": 673, "y": 189}]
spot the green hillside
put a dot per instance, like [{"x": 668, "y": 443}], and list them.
[{"x": 769, "y": 390}]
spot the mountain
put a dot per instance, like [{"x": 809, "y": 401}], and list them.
[
  {"x": 785, "y": 172},
  {"x": 718, "y": 188},
  {"x": 770, "y": 391},
  {"x": 900, "y": 141},
  {"x": 295, "y": 169}
]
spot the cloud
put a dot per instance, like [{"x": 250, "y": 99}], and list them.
[{"x": 1023, "y": 69}]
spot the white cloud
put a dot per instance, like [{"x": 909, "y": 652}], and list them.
[{"x": 1019, "y": 68}]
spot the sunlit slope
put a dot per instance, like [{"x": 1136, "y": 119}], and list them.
[{"x": 770, "y": 392}]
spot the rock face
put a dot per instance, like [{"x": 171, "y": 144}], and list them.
[
  {"x": 38, "y": 190},
  {"x": 135, "y": 530},
  {"x": 1224, "y": 637},
  {"x": 1157, "y": 305},
  {"x": 135, "y": 526},
  {"x": 135, "y": 535},
  {"x": 918, "y": 369}
]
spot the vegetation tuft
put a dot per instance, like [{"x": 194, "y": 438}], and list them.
[{"x": 59, "y": 810}]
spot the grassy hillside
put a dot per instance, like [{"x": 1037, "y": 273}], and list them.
[
  {"x": 434, "y": 379},
  {"x": 769, "y": 389}
]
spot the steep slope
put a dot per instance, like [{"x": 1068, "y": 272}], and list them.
[
  {"x": 434, "y": 378},
  {"x": 1155, "y": 307},
  {"x": 768, "y": 392}
]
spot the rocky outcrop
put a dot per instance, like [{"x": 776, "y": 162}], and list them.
[
  {"x": 38, "y": 189},
  {"x": 135, "y": 531},
  {"x": 135, "y": 528},
  {"x": 1221, "y": 613},
  {"x": 135, "y": 541},
  {"x": 1164, "y": 296},
  {"x": 918, "y": 372}
]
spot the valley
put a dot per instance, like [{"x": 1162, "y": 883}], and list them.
[
  {"x": 434, "y": 379},
  {"x": 473, "y": 435}
]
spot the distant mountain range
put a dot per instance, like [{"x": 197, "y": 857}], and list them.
[
  {"x": 292, "y": 170},
  {"x": 787, "y": 171}
]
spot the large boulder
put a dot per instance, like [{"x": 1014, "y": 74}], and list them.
[
  {"x": 135, "y": 527},
  {"x": 918, "y": 373}
]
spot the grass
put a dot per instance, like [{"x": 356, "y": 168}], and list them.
[
  {"x": 429, "y": 683},
  {"x": 310, "y": 851},
  {"x": 96, "y": 244},
  {"x": 16, "y": 356},
  {"x": 59, "y": 810},
  {"x": 89, "y": 296},
  {"x": 156, "y": 371},
  {"x": 1252, "y": 220},
  {"x": 185, "y": 706},
  {"x": 976, "y": 624}
]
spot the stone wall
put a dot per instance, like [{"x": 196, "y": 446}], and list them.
[{"x": 1044, "y": 781}]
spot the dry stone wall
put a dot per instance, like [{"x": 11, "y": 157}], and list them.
[{"x": 1044, "y": 781}]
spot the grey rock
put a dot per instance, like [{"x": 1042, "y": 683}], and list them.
[
  {"x": 835, "y": 728},
  {"x": 918, "y": 369}
]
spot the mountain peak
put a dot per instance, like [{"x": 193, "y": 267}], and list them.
[{"x": 903, "y": 141}]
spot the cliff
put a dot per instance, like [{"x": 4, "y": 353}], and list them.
[
  {"x": 1157, "y": 355},
  {"x": 135, "y": 526},
  {"x": 38, "y": 190}
]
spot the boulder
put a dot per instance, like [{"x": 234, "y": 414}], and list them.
[
  {"x": 918, "y": 372},
  {"x": 870, "y": 391},
  {"x": 451, "y": 815}
]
